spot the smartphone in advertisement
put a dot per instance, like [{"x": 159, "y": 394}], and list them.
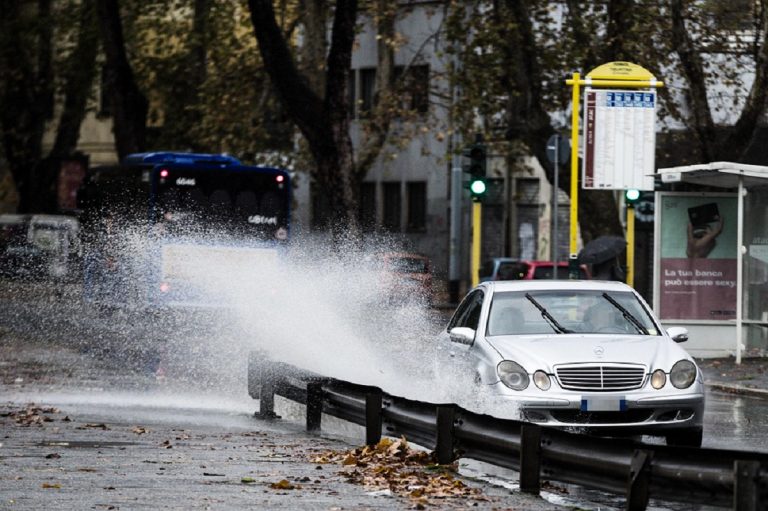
[{"x": 701, "y": 216}]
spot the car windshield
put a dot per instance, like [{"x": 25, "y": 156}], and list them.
[{"x": 576, "y": 311}]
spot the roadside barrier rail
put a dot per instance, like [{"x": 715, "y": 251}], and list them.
[{"x": 716, "y": 477}]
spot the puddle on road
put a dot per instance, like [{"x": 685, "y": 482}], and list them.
[{"x": 79, "y": 444}]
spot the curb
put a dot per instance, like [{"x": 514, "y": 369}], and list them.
[{"x": 737, "y": 389}]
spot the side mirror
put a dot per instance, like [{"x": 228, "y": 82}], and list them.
[
  {"x": 462, "y": 335},
  {"x": 678, "y": 333}
]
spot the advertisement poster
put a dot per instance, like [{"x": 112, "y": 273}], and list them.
[{"x": 698, "y": 257}]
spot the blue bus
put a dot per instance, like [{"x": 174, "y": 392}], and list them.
[{"x": 154, "y": 225}]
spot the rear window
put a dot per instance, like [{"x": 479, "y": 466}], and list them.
[
  {"x": 545, "y": 272},
  {"x": 512, "y": 271},
  {"x": 407, "y": 265}
]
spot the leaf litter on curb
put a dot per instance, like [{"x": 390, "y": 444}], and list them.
[
  {"x": 393, "y": 465},
  {"x": 31, "y": 415}
]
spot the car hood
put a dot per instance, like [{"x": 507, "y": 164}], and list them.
[{"x": 544, "y": 352}]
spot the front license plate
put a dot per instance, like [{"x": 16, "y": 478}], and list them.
[{"x": 603, "y": 404}]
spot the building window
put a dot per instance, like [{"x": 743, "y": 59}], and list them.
[
  {"x": 416, "y": 196},
  {"x": 367, "y": 89},
  {"x": 367, "y": 211},
  {"x": 528, "y": 190},
  {"x": 414, "y": 86},
  {"x": 391, "y": 211}
]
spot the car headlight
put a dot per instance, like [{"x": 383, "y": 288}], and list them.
[
  {"x": 658, "y": 379},
  {"x": 682, "y": 374},
  {"x": 541, "y": 379},
  {"x": 512, "y": 375}
]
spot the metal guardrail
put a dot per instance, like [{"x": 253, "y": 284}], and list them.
[{"x": 716, "y": 477}]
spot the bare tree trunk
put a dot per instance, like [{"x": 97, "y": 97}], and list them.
[
  {"x": 323, "y": 120},
  {"x": 315, "y": 48},
  {"x": 703, "y": 126},
  {"x": 25, "y": 58},
  {"x": 79, "y": 82},
  {"x": 129, "y": 106}
]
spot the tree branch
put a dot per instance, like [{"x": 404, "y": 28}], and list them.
[{"x": 690, "y": 60}]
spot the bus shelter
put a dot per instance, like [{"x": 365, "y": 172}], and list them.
[{"x": 711, "y": 257}]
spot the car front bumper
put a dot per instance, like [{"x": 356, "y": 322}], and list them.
[{"x": 641, "y": 411}]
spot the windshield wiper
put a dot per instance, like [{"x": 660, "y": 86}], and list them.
[
  {"x": 560, "y": 329},
  {"x": 627, "y": 315}
]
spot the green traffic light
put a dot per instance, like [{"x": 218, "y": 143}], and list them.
[
  {"x": 632, "y": 195},
  {"x": 478, "y": 187}
]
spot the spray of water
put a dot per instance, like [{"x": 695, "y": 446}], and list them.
[{"x": 328, "y": 309}]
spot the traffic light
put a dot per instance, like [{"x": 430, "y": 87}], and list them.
[
  {"x": 477, "y": 187},
  {"x": 477, "y": 160},
  {"x": 631, "y": 196}
]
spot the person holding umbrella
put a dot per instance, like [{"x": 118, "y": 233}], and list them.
[{"x": 603, "y": 254}]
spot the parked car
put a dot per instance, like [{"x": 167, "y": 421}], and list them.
[
  {"x": 578, "y": 354},
  {"x": 505, "y": 268},
  {"x": 406, "y": 275},
  {"x": 39, "y": 246}
]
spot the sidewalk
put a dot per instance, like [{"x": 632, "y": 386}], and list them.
[{"x": 748, "y": 378}]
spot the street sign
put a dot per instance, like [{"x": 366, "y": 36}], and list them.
[
  {"x": 620, "y": 139},
  {"x": 563, "y": 149}
]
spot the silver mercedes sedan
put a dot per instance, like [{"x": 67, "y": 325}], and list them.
[{"x": 583, "y": 354}]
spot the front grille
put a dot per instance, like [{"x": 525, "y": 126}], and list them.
[
  {"x": 579, "y": 417},
  {"x": 600, "y": 377}
]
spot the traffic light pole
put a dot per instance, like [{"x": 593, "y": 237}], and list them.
[
  {"x": 631, "y": 245},
  {"x": 477, "y": 227}
]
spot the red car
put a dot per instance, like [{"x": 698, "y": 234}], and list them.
[{"x": 408, "y": 274}]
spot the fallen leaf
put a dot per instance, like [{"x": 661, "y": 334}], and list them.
[
  {"x": 55, "y": 486},
  {"x": 101, "y": 426},
  {"x": 283, "y": 484},
  {"x": 139, "y": 430},
  {"x": 247, "y": 480}
]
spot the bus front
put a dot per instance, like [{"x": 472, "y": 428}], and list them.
[{"x": 216, "y": 224}]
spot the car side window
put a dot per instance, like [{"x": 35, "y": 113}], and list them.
[
  {"x": 461, "y": 310},
  {"x": 468, "y": 313},
  {"x": 473, "y": 313}
]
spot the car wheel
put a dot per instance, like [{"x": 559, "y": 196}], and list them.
[{"x": 685, "y": 437}]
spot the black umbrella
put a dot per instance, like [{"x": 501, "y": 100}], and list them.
[{"x": 602, "y": 249}]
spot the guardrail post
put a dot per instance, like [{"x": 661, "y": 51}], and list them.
[
  {"x": 373, "y": 417},
  {"x": 314, "y": 406},
  {"x": 530, "y": 458},
  {"x": 444, "y": 447},
  {"x": 638, "y": 486},
  {"x": 745, "y": 475},
  {"x": 267, "y": 393}
]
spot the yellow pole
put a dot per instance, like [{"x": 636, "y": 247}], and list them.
[
  {"x": 631, "y": 245},
  {"x": 477, "y": 214},
  {"x": 574, "y": 167}
]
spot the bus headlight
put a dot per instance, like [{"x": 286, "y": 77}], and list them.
[
  {"x": 682, "y": 374},
  {"x": 512, "y": 375}
]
